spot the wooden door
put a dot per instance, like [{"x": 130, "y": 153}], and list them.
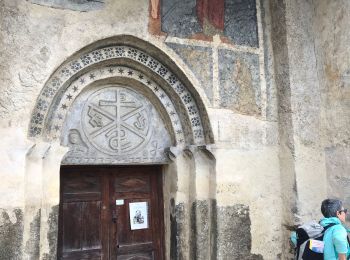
[{"x": 111, "y": 213}]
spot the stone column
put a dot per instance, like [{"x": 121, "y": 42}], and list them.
[
  {"x": 50, "y": 201},
  {"x": 41, "y": 200},
  {"x": 14, "y": 147},
  {"x": 33, "y": 194},
  {"x": 302, "y": 159},
  {"x": 203, "y": 208},
  {"x": 306, "y": 105},
  {"x": 180, "y": 205}
]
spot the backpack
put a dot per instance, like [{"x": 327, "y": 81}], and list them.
[{"x": 310, "y": 241}]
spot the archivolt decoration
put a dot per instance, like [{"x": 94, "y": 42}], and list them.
[
  {"x": 113, "y": 61},
  {"x": 108, "y": 72}
]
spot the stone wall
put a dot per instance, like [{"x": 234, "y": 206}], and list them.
[
  {"x": 310, "y": 70},
  {"x": 273, "y": 82},
  {"x": 333, "y": 70}
]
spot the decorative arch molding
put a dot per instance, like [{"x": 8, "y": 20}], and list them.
[
  {"x": 114, "y": 61},
  {"x": 148, "y": 77},
  {"x": 107, "y": 75}
]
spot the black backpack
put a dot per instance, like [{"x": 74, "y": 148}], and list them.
[{"x": 310, "y": 233}]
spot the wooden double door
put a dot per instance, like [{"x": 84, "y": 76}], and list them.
[{"x": 111, "y": 213}]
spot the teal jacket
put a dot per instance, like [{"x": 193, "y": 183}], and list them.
[{"x": 335, "y": 239}]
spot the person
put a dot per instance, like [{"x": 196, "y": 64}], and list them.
[{"x": 335, "y": 240}]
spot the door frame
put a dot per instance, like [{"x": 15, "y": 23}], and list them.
[{"x": 160, "y": 199}]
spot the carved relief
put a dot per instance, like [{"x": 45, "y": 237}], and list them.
[
  {"x": 112, "y": 124},
  {"x": 115, "y": 121},
  {"x": 75, "y": 143},
  {"x": 70, "y": 69},
  {"x": 86, "y": 79}
]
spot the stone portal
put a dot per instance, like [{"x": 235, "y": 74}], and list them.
[{"x": 122, "y": 102}]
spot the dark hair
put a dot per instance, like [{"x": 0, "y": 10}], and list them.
[{"x": 330, "y": 207}]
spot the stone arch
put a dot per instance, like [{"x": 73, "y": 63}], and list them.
[
  {"x": 126, "y": 62},
  {"x": 118, "y": 59}
]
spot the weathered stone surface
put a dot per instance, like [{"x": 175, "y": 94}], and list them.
[
  {"x": 52, "y": 235},
  {"x": 241, "y": 22},
  {"x": 16, "y": 90},
  {"x": 234, "y": 239},
  {"x": 200, "y": 218},
  {"x": 333, "y": 69},
  {"x": 285, "y": 123},
  {"x": 32, "y": 248},
  {"x": 173, "y": 231},
  {"x": 307, "y": 113},
  {"x": 11, "y": 234},
  {"x": 240, "y": 82},
  {"x": 204, "y": 230},
  {"x": 179, "y": 243},
  {"x": 271, "y": 90},
  {"x": 332, "y": 51},
  {"x": 259, "y": 162},
  {"x": 76, "y": 5},
  {"x": 200, "y": 61},
  {"x": 179, "y": 18},
  {"x": 214, "y": 229},
  {"x": 305, "y": 85},
  {"x": 338, "y": 168},
  {"x": 244, "y": 132},
  {"x": 34, "y": 32}
]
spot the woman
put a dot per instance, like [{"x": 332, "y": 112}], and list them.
[{"x": 335, "y": 240}]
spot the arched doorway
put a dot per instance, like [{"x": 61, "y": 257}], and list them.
[{"x": 115, "y": 104}]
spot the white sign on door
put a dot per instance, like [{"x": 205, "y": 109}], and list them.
[
  {"x": 119, "y": 202},
  {"x": 138, "y": 215}
]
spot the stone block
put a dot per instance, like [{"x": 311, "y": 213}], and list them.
[
  {"x": 234, "y": 238},
  {"x": 240, "y": 82},
  {"x": 200, "y": 226},
  {"x": 338, "y": 168},
  {"x": 179, "y": 244},
  {"x": 200, "y": 61},
  {"x": 186, "y": 18},
  {"x": 271, "y": 91},
  {"x": 76, "y": 5},
  {"x": 240, "y": 24},
  {"x": 52, "y": 234},
  {"x": 179, "y": 18},
  {"x": 11, "y": 234},
  {"x": 32, "y": 247}
]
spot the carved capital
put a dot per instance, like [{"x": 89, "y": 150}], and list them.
[
  {"x": 172, "y": 152},
  {"x": 207, "y": 150},
  {"x": 190, "y": 151},
  {"x": 38, "y": 151}
]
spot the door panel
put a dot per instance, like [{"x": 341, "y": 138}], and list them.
[
  {"x": 137, "y": 185},
  {"x": 83, "y": 218},
  {"x": 133, "y": 240},
  {"x": 92, "y": 226},
  {"x": 136, "y": 256},
  {"x": 80, "y": 216}
]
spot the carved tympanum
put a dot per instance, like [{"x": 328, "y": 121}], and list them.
[{"x": 116, "y": 121}]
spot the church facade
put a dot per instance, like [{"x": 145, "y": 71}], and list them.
[{"x": 169, "y": 129}]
